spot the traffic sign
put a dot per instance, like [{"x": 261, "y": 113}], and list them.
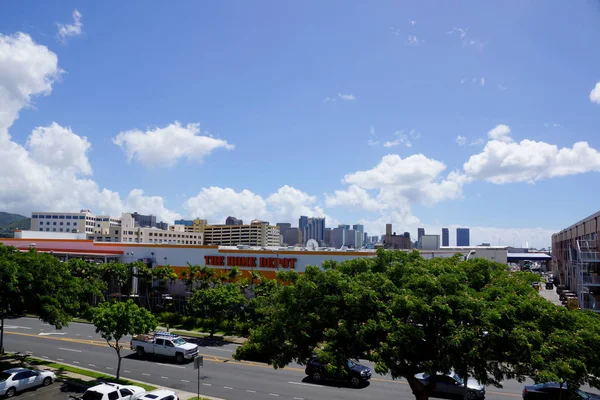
[{"x": 198, "y": 362}]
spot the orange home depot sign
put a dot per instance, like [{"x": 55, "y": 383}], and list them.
[{"x": 252, "y": 262}]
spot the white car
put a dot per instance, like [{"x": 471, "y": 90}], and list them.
[
  {"x": 18, "y": 379},
  {"x": 112, "y": 391},
  {"x": 160, "y": 394}
]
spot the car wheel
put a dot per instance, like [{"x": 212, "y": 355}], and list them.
[
  {"x": 47, "y": 381},
  {"x": 355, "y": 382},
  {"x": 11, "y": 392},
  {"x": 140, "y": 352},
  {"x": 316, "y": 376},
  {"x": 471, "y": 395},
  {"x": 179, "y": 358}
]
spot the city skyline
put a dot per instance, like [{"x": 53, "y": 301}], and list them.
[{"x": 171, "y": 121}]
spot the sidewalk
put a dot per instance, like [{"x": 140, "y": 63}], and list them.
[
  {"x": 80, "y": 380},
  {"x": 550, "y": 295}
]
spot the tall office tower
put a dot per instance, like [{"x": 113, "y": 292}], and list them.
[
  {"x": 312, "y": 228},
  {"x": 462, "y": 237},
  {"x": 445, "y": 237},
  {"x": 233, "y": 221},
  {"x": 360, "y": 235},
  {"x": 420, "y": 233}
]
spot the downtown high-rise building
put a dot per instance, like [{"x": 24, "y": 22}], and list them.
[
  {"x": 312, "y": 228},
  {"x": 360, "y": 229},
  {"x": 462, "y": 237},
  {"x": 445, "y": 237},
  {"x": 420, "y": 234}
]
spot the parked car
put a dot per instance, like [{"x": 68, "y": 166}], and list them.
[
  {"x": 160, "y": 394},
  {"x": 18, "y": 379},
  {"x": 112, "y": 391},
  {"x": 164, "y": 344},
  {"x": 552, "y": 391},
  {"x": 353, "y": 373},
  {"x": 451, "y": 385}
]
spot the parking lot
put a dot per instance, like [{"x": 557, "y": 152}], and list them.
[{"x": 56, "y": 391}]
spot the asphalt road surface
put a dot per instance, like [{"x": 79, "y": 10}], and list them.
[{"x": 221, "y": 376}]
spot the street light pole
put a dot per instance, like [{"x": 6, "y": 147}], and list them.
[{"x": 470, "y": 254}]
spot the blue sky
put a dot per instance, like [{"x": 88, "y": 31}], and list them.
[{"x": 274, "y": 109}]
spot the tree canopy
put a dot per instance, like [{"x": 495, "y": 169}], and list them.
[
  {"x": 218, "y": 302},
  {"x": 411, "y": 315},
  {"x": 115, "y": 320}
]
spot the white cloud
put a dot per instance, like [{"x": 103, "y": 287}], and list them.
[
  {"x": 461, "y": 140},
  {"x": 402, "y": 138},
  {"x": 372, "y": 142},
  {"x": 477, "y": 142},
  {"x": 47, "y": 173},
  {"x": 347, "y": 97},
  {"x": 285, "y": 205},
  {"x": 412, "y": 22},
  {"x": 68, "y": 30},
  {"x": 552, "y": 125},
  {"x": 355, "y": 197},
  {"x": 465, "y": 39},
  {"x": 395, "y": 31},
  {"x": 166, "y": 146},
  {"x": 58, "y": 147},
  {"x": 505, "y": 161},
  {"x": 27, "y": 69},
  {"x": 501, "y": 133},
  {"x": 595, "y": 94},
  {"x": 412, "y": 40},
  {"x": 155, "y": 205},
  {"x": 482, "y": 81},
  {"x": 340, "y": 96},
  {"x": 501, "y": 86}
]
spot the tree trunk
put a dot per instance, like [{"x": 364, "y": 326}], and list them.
[
  {"x": 119, "y": 357},
  {"x": 418, "y": 389},
  {"x": 466, "y": 387}
]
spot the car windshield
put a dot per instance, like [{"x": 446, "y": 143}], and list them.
[
  {"x": 583, "y": 394},
  {"x": 458, "y": 379},
  {"x": 4, "y": 376},
  {"x": 350, "y": 364},
  {"x": 91, "y": 395},
  {"x": 178, "y": 341}
]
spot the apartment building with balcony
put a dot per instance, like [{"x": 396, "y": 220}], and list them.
[{"x": 257, "y": 233}]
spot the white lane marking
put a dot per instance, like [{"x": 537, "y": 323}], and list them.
[
  {"x": 227, "y": 387},
  {"x": 60, "y": 359},
  {"x": 45, "y": 357},
  {"x": 143, "y": 373},
  {"x": 250, "y": 391},
  {"x": 109, "y": 368},
  {"x": 29, "y": 352},
  {"x": 273, "y": 394},
  {"x": 51, "y": 333},
  {"x": 164, "y": 377},
  {"x": 76, "y": 351},
  {"x": 305, "y": 384},
  {"x": 298, "y": 398},
  {"x": 169, "y": 365},
  {"x": 126, "y": 371},
  {"x": 77, "y": 334},
  {"x": 227, "y": 350},
  {"x": 15, "y": 327},
  {"x": 91, "y": 365},
  {"x": 89, "y": 336},
  {"x": 207, "y": 384},
  {"x": 75, "y": 362},
  {"x": 183, "y": 380}
]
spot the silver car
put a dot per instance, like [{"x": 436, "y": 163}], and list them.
[{"x": 451, "y": 385}]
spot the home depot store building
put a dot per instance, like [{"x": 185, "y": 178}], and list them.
[{"x": 220, "y": 258}]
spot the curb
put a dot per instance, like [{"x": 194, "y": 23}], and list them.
[{"x": 82, "y": 386}]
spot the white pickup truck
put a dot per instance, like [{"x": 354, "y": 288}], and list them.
[{"x": 163, "y": 344}]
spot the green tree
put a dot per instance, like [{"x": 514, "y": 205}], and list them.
[
  {"x": 217, "y": 303},
  {"x": 9, "y": 287},
  {"x": 115, "y": 320},
  {"x": 409, "y": 315}
]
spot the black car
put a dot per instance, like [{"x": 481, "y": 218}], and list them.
[
  {"x": 552, "y": 391},
  {"x": 354, "y": 374}
]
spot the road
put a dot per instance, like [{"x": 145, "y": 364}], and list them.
[{"x": 221, "y": 376}]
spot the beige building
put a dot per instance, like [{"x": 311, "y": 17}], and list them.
[
  {"x": 257, "y": 233},
  {"x": 196, "y": 225},
  {"x": 128, "y": 232}
]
